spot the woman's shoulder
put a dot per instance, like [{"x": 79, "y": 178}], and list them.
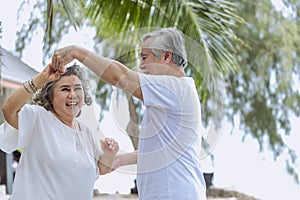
[
  {"x": 34, "y": 108},
  {"x": 32, "y": 112}
]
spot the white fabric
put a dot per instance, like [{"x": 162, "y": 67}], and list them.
[
  {"x": 170, "y": 140},
  {"x": 57, "y": 162},
  {"x": 9, "y": 138}
]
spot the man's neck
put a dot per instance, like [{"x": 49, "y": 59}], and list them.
[{"x": 177, "y": 71}]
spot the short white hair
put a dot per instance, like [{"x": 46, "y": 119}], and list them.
[{"x": 168, "y": 39}]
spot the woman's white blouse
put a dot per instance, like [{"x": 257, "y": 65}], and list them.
[{"x": 57, "y": 162}]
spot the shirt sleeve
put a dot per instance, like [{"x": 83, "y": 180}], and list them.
[
  {"x": 27, "y": 118},
  {"x": 8, "y": 138},
  {"x": 12, "y": 139},
  {"x": 160, "y": 91}
]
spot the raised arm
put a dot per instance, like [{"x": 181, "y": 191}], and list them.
[
  {"x": 106, "y": 69},
  {"x": 22, "y": 95}
]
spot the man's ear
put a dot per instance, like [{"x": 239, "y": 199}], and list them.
[{"x": 168, "y": 56}]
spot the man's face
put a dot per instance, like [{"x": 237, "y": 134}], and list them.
[{"x": 151, "y": 64}]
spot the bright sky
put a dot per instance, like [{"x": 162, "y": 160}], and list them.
[{"x": 238, "y": 165}]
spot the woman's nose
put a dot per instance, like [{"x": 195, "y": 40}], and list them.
[{"x": 72, "y": 93}]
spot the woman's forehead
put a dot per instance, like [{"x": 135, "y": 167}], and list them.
[{"x": 68, "y": 80}]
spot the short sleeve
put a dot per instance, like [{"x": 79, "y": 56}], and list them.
[
  {"x": 162, "y": 91},
  {"x": 27, "y": 119},
  {"x": 8, "y": 138},
  {"x": 11, "y": 138}
]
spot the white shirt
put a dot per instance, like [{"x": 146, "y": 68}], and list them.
[
  {"x": 57, "y": 162},
  {"x": 170, "y": 140}
]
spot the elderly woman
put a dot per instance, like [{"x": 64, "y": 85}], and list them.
[
  {"x": 168, "y": 164},
  {"x": 60, "y": 158}
]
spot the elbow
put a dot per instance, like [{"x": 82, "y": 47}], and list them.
[
  {"x": 9, "y": 109},
  {"x": 10, "y": 115},
  {"x": 102, "y": 172},
  {"x": 121, "y": 83},
  {"x": 5, "y": 110}
]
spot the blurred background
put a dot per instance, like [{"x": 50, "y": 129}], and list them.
[{"x": 244, "y": 56}]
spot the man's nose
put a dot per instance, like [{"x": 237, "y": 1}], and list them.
[{"x": 142, "y": 66}]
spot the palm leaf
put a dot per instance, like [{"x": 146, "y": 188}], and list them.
[
  {"x": 208, "y": 23},
  {"x": 207, "y": 26}
]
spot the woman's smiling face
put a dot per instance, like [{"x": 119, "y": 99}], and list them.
[{"x": 68, "y": 96}]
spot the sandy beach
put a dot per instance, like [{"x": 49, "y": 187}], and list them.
[
  {"x": 214, "y": 194},
  {"x": 122, "y": 197},
  {"x": 135, "y": 197},
  {"x": 115, "y": 197}
]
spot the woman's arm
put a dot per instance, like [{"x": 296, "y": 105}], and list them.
[
  {"x": 14, "y": 103},
  {"x": 110, "y": 148},
  {"x": 22, "y": 95}
]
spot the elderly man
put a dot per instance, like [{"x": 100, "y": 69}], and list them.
[{"x": 170, "y": 141}]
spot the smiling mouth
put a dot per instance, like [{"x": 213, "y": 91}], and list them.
[{"x": 72, "y": 104}]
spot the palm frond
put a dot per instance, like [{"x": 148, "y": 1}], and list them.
[
  {"x": 70, "y": 6},
  {"x": 207, "y": 26},
  {"x": 208, "y": 23}
]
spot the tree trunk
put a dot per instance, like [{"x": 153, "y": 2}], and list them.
[{"x": 133, "y": 127}]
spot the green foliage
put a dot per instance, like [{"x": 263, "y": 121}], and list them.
[
  {"x": 120, "y": 24},
  {"x": 42, "y": 17},
  {"x": 207, "y": 26},
  {"x": 259, "y": 59},
  {"x": 208, "y": 23},
  {"x": 263, "y": 92}
]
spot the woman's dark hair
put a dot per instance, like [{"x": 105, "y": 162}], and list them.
[{"x": 44, "y": 97}]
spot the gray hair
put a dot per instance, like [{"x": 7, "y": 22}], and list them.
[
  {"x": 168, "y": 39},
  {"x": 44, "y": 97}
]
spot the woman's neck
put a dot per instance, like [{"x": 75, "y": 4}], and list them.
[{"x": 72, "y": 122}]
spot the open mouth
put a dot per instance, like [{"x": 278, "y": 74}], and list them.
[{"x": 72, "y": 103}]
